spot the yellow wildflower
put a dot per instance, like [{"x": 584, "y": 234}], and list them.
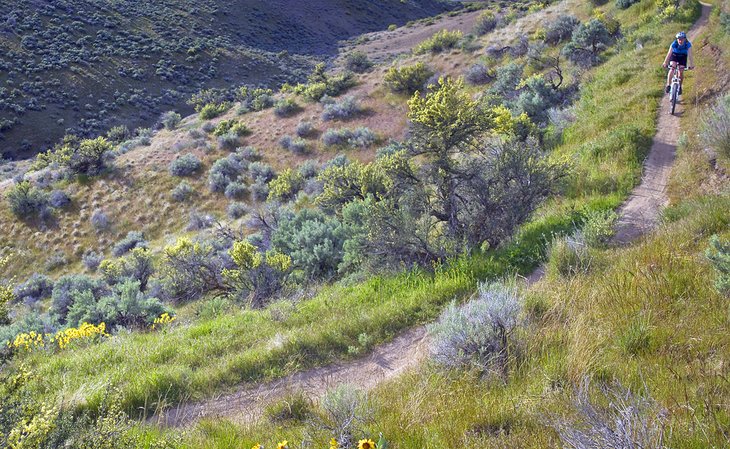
[
  {"x": 334, "y": 444},
  {"x": 283, "y": 445},
  {"x": 366, "y": 444},
  {"x": 163, "y": 320},
  {"x": 85, "y": 331},
  {"x": 257, "y": 446}
]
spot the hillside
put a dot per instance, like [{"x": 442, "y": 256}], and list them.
[
  {"x": 83, "y": 67},
  {"x": 342, "y": 261}
]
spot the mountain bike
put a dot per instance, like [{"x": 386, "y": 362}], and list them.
[{"x": 674, "y": 89}]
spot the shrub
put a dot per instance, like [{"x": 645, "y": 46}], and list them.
[
  {"x": 228, "y": 141},
  {"x": 234, "y": 127},
  {"x": 346, "y": 412},
  {"x": 561, "y": 29},
  {"x": 440, "y": 41},
  {"x": 357, "y": 62},
  {"x": 477, "y": 74},
  {"x": 622, "y": 420},
  {"x": 118, "y": 134},
  {"x": 260, "y": 190},
  {"x": 67, "y": 290},
  {"x": 236, "y": 190},
  {"x": 296, "y": 146},
  {"x": 58, "y": 199},
  {"x": 90, "y": 157},
  {"x": 261, "y": 170},
  {"x": 536, "y": 98},
  {"x": 189, "y": 270},
  {"x": 305, "y": 129},
  {"x": 186, "y": 165},
  {"x": 35, "y": 288},
  {"x": 286, "y": 185},
  {"x": 313, "y": 240},
  {"x": 598, "y": 227},
  {"x": 199, "y": 221},
  {"x": 223, "y": 172},
  {"x": 589, "y": 39},
  {"x": 507, "y": 78},
  {"x": 623, "y": 4},
  {"x": 170, "y": 119},
  {"x": 257, "y": 276},
  {"x": 182, "y": 191},
  {"x": 55, "y": 260},
  {"x": 125, "y": 305},
  {"x": 25, "y": 200},
  {"x": 99, "y": 220},
  {"x": 569, "y": 256},
  {"x": 309, "y": 169},
  {"x": 361, "y": 137},
  {"x": 91, "y": 260},
  {"x": 715, "y": 128},
  {"x": 476, "y": 334},
  {"x": 237, "y": 210},
  {"x": 134, "y": 239},
  {"x": 213, "y": 110},
  {"x": 346, "y": 109},
  {"x": 485, "y": 23},
  {"x": 408, "y": 79},
  {"x": 719, "y": 256},
  {"x": 286, "y": 107},
  {"x": 256, "y": 99},
  {"x": 249, "y": 154}
]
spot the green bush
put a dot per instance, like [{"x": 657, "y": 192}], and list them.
[
  {"x": 485, "y": 23},
  {"x": 598, "y": 227},
  {"x": 442, "y": 40},
  {"x": 213, "y": 110},
  {"x": 25, "y": 200},
  {"x": 357, "y": 62},
  {"x": 409, "y": 79},
  {"x": 286, "y": 107},
  {"x": 715, "y": 129}
]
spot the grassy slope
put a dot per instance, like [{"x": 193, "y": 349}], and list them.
[
  {"x": 149, "y": 366},
  {"x": 645, "y": 314}
]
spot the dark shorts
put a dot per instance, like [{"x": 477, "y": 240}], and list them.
[{"x": 681, "y": 59}]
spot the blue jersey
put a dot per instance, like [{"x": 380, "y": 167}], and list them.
[{"x": 681, "y": 49}]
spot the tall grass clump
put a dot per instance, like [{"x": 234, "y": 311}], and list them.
[
  {"x": 569, "y": 256},
  {"x": 476, "y": 334},
  {"x": 715, "y": 130},
  {"x": 719, "y": 255},
  {"x": 620, "y": 419}
]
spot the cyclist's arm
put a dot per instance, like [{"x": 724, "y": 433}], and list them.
[
  {"x": 666, "y": 59},
  {"x": 690, "y": 58}
]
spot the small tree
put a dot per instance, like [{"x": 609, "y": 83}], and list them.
[
  {"x": 25, "y": 200},
  {"x": 589, "y": 39},
  {"x": 190, "y": 269},
  {"x": 257, "y": 276},
  {"x": 89, "y": 158}
]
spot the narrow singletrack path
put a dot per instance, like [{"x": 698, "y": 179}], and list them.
[
  {"x": 639, "y": 214},
  {"x": 642, "y": 211}
]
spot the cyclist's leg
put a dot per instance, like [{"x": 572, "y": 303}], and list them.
[{"x": 672, "y": 66}]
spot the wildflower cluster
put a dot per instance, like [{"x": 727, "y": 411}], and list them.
[
  {"x": 362, "y": 444},
  {"x": 6, "y": 292},
  {"x": 34, "y": 340},
  {"x": 162, "y": 321},
  {"x": 84, "y": 331}
]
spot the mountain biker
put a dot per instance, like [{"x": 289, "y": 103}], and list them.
[{"x": 679, "y": 52}]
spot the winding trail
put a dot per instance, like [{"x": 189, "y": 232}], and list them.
[{"x": 638, "y": 215}]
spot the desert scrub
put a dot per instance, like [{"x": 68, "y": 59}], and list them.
[
  {"x": 186, "y": 165},
  {"x": 346, "y": 109},
  {"x": 305, "y": 129},
  {"x": 295, "y": 145},
  {"x": 357, "y": 62},
  {"x": 213, "y": 110},
  {"x": 286, "y": 107},
  {"x": 37, "y": 287},
  {"x": 476, "y": 335},
  {"x": 26, "y": 200},
  {"x": 100, "y": 220},
  {"x": 133, "y": 239},
  {"x": 409, "y": 79},
  {"x": 485, "y": 23},
  {"x": 170, "y": 120},
  {"x": 361, "y": 137},
  {"x": 477, "y": 74},
  {"x": 182, "y": 192},
  {"x": 442, "y": 40},
  {"x": 235, "y": 127}
]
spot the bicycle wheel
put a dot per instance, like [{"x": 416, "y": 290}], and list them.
[{"x": 673, "y": 97}]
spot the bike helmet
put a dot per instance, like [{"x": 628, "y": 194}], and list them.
[{"x": 681, "y": 35}]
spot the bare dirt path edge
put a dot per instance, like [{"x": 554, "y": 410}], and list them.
[{"x": 637, "y": 216}]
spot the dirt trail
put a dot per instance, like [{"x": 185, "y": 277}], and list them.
[
  {"x": 637, "y": 216},
  {"x": 641, "y": 212}
]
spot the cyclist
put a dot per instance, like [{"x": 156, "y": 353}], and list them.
[{"x": 679, "y": 52}]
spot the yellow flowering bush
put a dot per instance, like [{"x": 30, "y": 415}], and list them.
[
  {"x": 32, "y": 432},
  {"x": 162, "y": 321},
  {"x": 6, "y": 292},
  {"x": 84, "y": 331},
  {"x": 62, "y": 339},
  {"x": 258, "y": 276}
]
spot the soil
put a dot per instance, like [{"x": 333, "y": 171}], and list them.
[{"x": 639, "y": 214}]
